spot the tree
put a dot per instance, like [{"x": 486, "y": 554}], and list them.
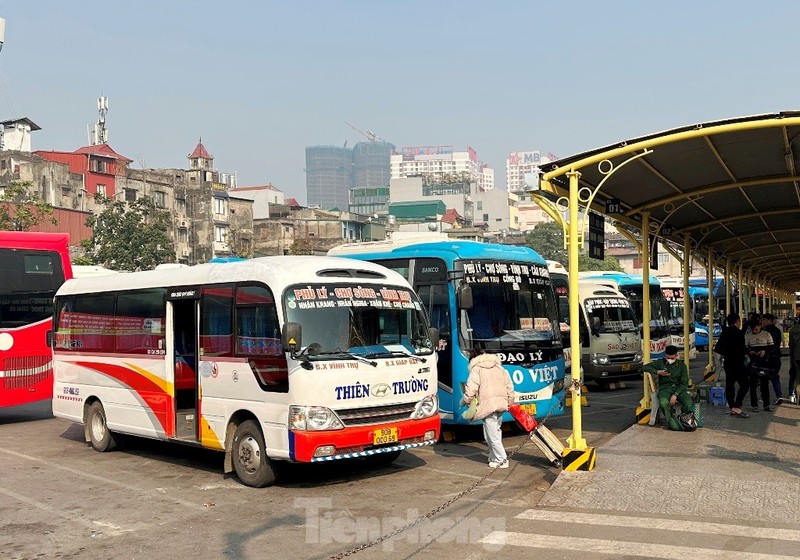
[
  {"x": 547, "y": 239},
  {"x": 129, "y": 235},
  {"x": 22, "y": 209}
]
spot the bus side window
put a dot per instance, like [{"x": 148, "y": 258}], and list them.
[
  {"x": 216, "y": 329},
  {"x": 258, "y": 337},
  {"x": 141, "y": 321}
]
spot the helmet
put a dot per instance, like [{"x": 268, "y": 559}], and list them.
[{"x": 687, "y": 421}]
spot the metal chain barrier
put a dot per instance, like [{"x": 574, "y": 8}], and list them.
[{"x": 438, "y": 509}]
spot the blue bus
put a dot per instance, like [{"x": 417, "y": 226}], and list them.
[
  {"x": 498, "y": 298},
  {"x": 699, "y": 296},
  {"x": 632, "y": 288}
]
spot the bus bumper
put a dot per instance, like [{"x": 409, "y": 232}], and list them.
[{"x": 360, "y": 441}]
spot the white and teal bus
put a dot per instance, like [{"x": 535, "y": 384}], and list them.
[
  {"x": 674, "y": 300},
  {"x": 632, "y": 287},
  {"x": 498, "y": 298},
  {"x": 269, "y": 360}
]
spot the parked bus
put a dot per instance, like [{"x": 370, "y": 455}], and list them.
[
  {"x": 611, "y": 343},
  {"x": 560, "y": 280},
  {"x": 32, "y": 267},
  {"x": 272, "y": 360},
  {"x": 699, "y": 297},
  {"x": 632, "y": 288},
  {"x": 498, "y": 298},
  {"x": 674, "y": 300}
]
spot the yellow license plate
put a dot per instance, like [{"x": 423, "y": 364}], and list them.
[
  {"x": 626, "y": 367},
  {"x": 529, "y": 408},
  {"x": 384, "y": 436}
]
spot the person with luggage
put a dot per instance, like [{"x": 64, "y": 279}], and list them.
[
  {"x": 489, "y": 381},
  {"x": 733, "y": 350},
  {"x": 759, "y": 345},
  {"x": 673, "y": 386}
]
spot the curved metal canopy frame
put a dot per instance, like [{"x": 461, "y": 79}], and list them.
[{"x": 732, "y": 186}]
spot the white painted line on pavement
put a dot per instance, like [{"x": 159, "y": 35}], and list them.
[
  {"x": 671, "y": 524},
  {"x": 104, "y": 480},
  {"x": 619, "y": 548}
]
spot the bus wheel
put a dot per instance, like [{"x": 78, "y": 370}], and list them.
[
  {"x": 250, "y": 460},
  {"x": 101, "y": 438},
  {"x": 383, "y": 459}
]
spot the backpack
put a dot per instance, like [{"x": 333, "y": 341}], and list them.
[{"x": 687, "y": 421}]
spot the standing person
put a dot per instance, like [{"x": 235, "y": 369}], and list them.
[
  {"x": 489, "y": 381},
  {"x": 794, "y": 355},
  {"x": 673, "y": 385},
  {"x": 774, "y": 354},
  {"x": 759, "y": 344},
  {"x": 731, "y": 346}
]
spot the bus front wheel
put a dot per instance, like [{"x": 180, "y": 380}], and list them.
[
  {"x": 101, "y": 438},
  {"x": 250, "y": 460}
]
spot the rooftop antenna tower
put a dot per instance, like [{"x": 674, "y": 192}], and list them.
[{"x": 97, "y": 132}]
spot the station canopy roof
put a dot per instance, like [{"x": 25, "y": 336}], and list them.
[{"x": 731, "y": 185}]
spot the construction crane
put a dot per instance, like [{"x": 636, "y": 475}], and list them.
[{"x": 371, "y": 136}]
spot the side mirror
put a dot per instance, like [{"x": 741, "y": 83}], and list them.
[
  {"x": 292, "y": 337},
  {"x": 50, "y": 339},
  {"x": 464, "y": 296},
  {"x": 433, "y": 334}
]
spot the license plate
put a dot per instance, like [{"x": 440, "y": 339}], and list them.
[
  {"x": 384, "y": 436},
  {"x": 626, "y": 367},
  {"x": 529, "y": 408}
]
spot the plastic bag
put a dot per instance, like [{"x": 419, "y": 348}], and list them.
[
  {"x": 472, "y": 409},
  {"x": 524, "y": 420}
]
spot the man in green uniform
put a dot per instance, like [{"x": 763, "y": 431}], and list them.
[{"x": 673, "y": 385}]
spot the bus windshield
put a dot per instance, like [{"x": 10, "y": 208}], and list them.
[
  {"x": 673, "y": 308},
  {"x": 634, "y": 294},
  {"x": 28, "y": 282},
  {"x": 610, "y": 315},
  {"x": 701, "y": 309},
  {"x": 513, "y": 306},
  {"x": 358, "y": 320}
]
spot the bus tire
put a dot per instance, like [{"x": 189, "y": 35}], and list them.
[
  {"x": 249, "y": 454},
  {"x": 101, "y": 438},
  {"x": 383, "y": 459}
]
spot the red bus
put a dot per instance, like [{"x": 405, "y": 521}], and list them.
[{"x": 32, "y": 267}]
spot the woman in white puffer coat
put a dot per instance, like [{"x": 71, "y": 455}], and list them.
[{"x": 489, "y": 381}]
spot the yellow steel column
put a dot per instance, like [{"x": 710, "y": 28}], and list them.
[
  {"x": 741, "y": 290},
  {"x": 727, "y": 288},
  {"x": 575, "y": 440},
  {"x": 687, "y": 301},
  {"x": 646, "y": 288},
  {"x": 712, "y": 312}
]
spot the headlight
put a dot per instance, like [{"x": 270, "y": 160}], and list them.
[
  {"x": 637, "y": 357},
  {"x": 313, "y": 418},
  {"x": 600, "y": 359},
  {"x": 426, "y": 407},
  {"x": 558, "y": 385}
]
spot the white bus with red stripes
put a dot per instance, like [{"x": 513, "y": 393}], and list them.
[{"x": 270, "y": 360}]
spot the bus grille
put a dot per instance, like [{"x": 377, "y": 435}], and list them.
[
  {"x": 26, "y": 371},
  {"x": 375, "y": 414},
  {"x": 620, "y": 358}
]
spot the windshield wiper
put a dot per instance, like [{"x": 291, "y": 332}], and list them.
[
  {"x": 356, "y": 357},
  {"x": 397, "y": 353}
]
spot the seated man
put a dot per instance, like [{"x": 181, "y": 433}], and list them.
[{"x": 673, "y": 385}]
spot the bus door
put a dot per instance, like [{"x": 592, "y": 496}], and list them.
[{"x": 184, "y": 315}]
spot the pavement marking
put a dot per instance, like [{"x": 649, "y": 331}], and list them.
[
  {"x": 663, "y": 524},
  {"x": 617, "y": 548},
  {"x": 104, "y": 480},
  {"x": 73, "y": 517}
]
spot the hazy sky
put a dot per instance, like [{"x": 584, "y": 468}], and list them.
[{"x": 260, "y": 81}]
